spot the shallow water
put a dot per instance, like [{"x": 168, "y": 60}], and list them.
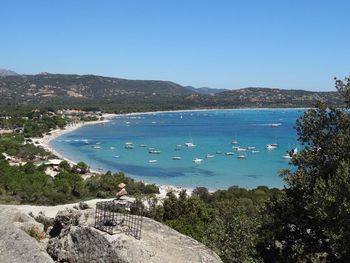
[{"x": 212, "y": 131}]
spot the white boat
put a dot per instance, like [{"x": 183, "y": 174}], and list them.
[
  {"x": 241, "y": 156},
  {"x": 210, "y": 156},
  {"x": 190, "y": 144},
  {"x": 143, "y": 145},
  {"x": 112, "y": 148},
  {"x": 154, "y": 152},
  {"x": 197, "y": 160},
  {"x": 275, "y": 124},
  {"x": 235, "y": 147},
  {"x": 129, "y": 146},
  {"x": 116, "y": 156},
  {"x": 271, "y": 146},
  {"x": 289, "y": 155},
  {"x": 235, "y": 142},
  {"x": 251, "y": 147},
  {"x": 229, "y": 153},
  {"x": 176, "y": 158},
  {"x": 241, "y": 149},
  {"x": 128, "y": 143},
  {"x": 96, "y": 147},
  {"x": 255, "y": 151},
  {"x": 152, "y": 161}
]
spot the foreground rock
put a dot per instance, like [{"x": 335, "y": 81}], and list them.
[
  {"x": 74, "y": 240},
  {"x": 16, "y": 246}
]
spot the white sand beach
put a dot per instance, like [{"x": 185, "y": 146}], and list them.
[{"x": 47, "y": 138}]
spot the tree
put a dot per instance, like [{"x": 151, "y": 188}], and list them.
[
  {"x": 311, "y": 221},
  {"x": 80, "y": 167},
  {"x": 65, "y": 166}
]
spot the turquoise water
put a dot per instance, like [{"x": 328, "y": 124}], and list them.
[{"x": 212, "y": 131}]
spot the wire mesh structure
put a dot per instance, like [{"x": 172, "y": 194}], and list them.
[{"x": 119, "y": 216}]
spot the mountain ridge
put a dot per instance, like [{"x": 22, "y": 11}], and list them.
[
  {"x": 139, "y": 95},
  {"x": 7, "y": 72}
]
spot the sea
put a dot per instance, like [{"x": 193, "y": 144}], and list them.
[{"x": 152, "y": 147}]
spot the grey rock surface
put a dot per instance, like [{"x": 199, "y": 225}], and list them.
[
  {"x": 73, "y": 239},
  {"x": 79, "y": 242},
  {"x": 16, "y": 246}
]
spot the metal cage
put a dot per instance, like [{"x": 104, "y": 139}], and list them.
[{"x": 119, "y": 216}]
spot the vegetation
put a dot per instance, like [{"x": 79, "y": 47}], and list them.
[
  {"x": 29, "y": 184},
  {"x": 227, "y": 221},
  {"x": 123, "y": 96},
  {"x": 308, "y": 221}
]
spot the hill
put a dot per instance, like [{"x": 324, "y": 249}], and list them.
[
  {"x": 123, "y": 95},
  {"x": 205, "y": 90},
  {"x": 6, "y": 72},
  {"x": 267, "y": 97}
]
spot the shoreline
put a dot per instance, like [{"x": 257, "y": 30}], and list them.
[
  {"x": 107, "y": 117},
  {"x": 44, "y": 142}
]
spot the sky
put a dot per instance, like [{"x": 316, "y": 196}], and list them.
[{"x": 289, "y": 44}]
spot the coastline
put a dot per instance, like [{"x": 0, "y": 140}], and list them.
[
  {"x": 46, "y": 139},
  {"x": 44, "y": 142}
]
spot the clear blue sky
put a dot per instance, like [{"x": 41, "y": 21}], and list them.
[{"x": 220, "y": 44}]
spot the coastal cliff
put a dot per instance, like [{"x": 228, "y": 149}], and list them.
[{"x": 73, "y": 239}]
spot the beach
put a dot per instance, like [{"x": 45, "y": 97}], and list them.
[{"x": 44, "y": 142}]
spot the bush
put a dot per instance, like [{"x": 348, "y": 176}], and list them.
[{"x": 37, "y": 233}]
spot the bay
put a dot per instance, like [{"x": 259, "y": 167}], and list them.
[{"x": 212, "y": 131}]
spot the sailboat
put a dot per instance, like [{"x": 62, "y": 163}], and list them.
[
  {"x": 289, "y": 155},
  {"x": 242, "y": 156},
  {"x": 197, "y": 160},
  {"x": 272, "y": 146},
  {"x": 190, "y": 144}
]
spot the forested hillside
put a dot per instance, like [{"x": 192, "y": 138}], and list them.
[{"x": 122, "y": 95}]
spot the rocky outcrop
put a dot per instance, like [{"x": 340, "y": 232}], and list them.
[
  {"x": 75, "y": 240},
  {"x": 16, "y": 246}
]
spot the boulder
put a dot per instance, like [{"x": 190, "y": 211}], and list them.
[
  {"x": 16, "y": 246},
  {"x": 75, "y": 240}
]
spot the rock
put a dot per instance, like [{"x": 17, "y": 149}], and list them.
[
  {"x": 64, "y": 220},
  {"x": 79, "y": 242},
  {"x": 74, "y": 239},
  {"x": 16, "y": 246}
]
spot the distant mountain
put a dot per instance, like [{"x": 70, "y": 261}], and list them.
[
  {"x": 46, "y": 85},
  {"x": 269, "y": 97},
  {"x": 123, "y": 95},
  {"x": 6, "y": 72},
  {"x": 205, "y": 90}
]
